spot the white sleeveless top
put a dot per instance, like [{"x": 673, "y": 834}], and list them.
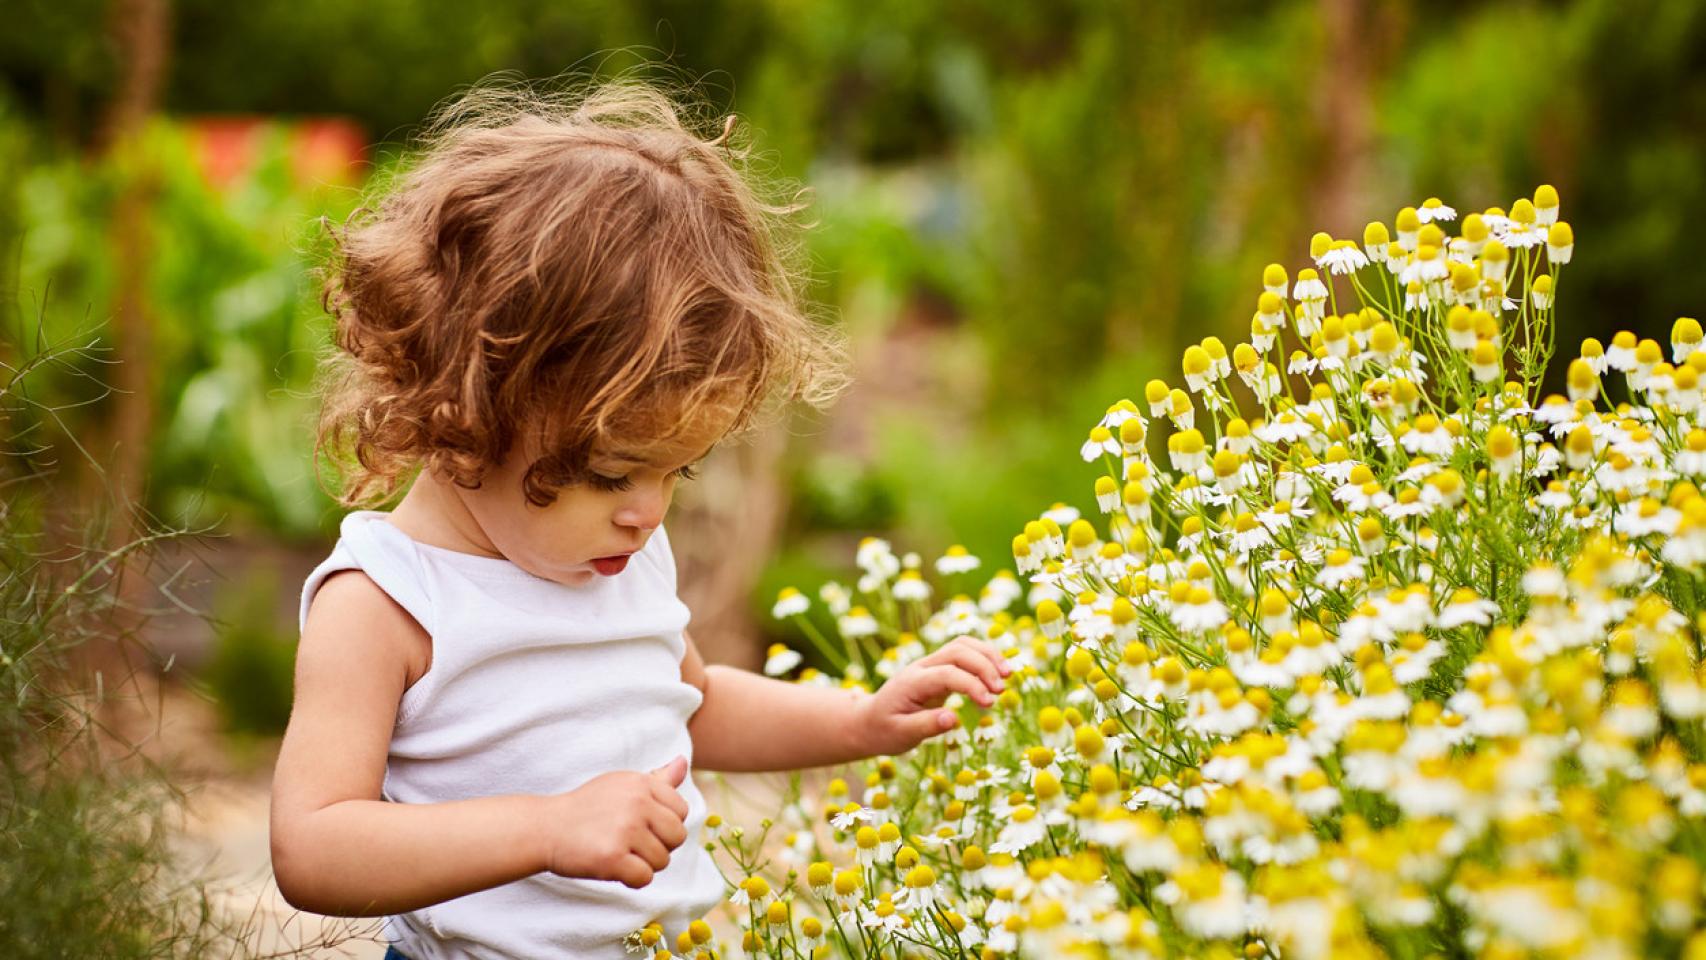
[{"x": 535, "y": 688}]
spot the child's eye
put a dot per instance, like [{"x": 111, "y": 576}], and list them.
[{"x": 602, "y": 482}]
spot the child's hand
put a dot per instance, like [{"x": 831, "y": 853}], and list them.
[
  {"x": 904, "y": 711},
  {"x": 619, "y": 826}
]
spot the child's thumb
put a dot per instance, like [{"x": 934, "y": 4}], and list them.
[{"x": 674, "y": 771}]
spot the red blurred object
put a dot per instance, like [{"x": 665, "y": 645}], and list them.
[
  {"x": 327, "y": 150},
  {"x": 224, "y": 146},
  {"x": 321, "y": 149}
]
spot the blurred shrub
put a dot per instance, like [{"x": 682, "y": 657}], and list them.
[
  {"x": 85, "y": 868},
  {"x": 836, "y": 492},
  {"x": 235, "y": 314},
  {"x": 250, "y": 671}
]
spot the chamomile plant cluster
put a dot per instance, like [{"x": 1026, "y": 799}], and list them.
[{"x": 1372, "y": 648}]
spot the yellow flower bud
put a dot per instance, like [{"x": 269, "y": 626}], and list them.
[
  {"x": 1155, "y": 391},
  {"x": 1685, "y": 337},
  {"x": 820, "y": 873},
  {"x": 1545, "y": 198},
  {"x": 1081, "y": 534},
  {"x": 1475, "y": 229},
  {"x": 1560, "y": 240},
  {"x": 848, "y": 882},
  {"x": 1131, "y": 432},
  {"x": 1050, "y": 719},
  {"x": 1583, "y": 382},
  {"x": 1087, "y": 740},
  {"x": 1196, "y": 365},
  {"x": 1501, "y": 443}
]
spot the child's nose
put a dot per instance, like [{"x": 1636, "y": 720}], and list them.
[{"x": 645, "y": 509}]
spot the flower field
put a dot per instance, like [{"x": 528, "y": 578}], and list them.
[{"x": 1392, "y": 654}]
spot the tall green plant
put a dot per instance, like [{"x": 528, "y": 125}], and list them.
[{"x": 88, "y": 863}]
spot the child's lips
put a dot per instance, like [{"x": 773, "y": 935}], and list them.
[{"x": 610, "y": 566}]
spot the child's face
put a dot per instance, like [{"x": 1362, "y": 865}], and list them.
[{"x": 586, "y": 522}]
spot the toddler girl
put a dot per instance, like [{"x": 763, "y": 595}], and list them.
[{"x": 545, "y": 323}]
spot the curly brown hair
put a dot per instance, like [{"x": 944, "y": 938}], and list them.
[{"x": 575, "y": 272}]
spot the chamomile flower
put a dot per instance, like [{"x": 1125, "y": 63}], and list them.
[
  {"x": 1341, "y": 567},
  {"x": 1208, "y": 900},
  {"x": 1560, "y": 243},
  {"x": 1060, "y": 514},
  {"x": 1524, "y": 228},
  {"x": 1309, "y": 289},
  {"x": 1546, "y": 204},
  {"x": 1198, "y": 368},
  {"x": 911, "y": 587},
  {"x": 753, "y": 890},
  {"x": 1101, "y": 442},
  {"x": 1023, "y": 830},
  {"x": 1416, "y": 298},
  {"x": 1343, "y": 257},
  {"x": 877, "y": 558},
  {"x": 1646, "y": 517},
  {"x": 1285, "y": 596},
  {"x": 1540, "y": 292},
  {"x": 1466, "y": 607},
  {"x": 790, "y": 603},
  {"x": 858, "y": 622},
  {"x": 1198, "y": 611},
  {"x": 1685, "y": 338},
  {"x": 1433, "y": 210},
  {"x": 1376, "y": 241},
  {"x": 779, "y": 660},
  {"x": 835, "y": 597}
]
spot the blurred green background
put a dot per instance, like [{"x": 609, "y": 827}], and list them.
[{"x": 1026, "y": 210}]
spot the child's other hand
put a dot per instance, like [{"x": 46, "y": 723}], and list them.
[
  {"x": 906, "y": 710},
  {"x": 619, "y": 826}
]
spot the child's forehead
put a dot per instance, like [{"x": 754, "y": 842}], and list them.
[
  {"x": 673, "y": 452},
  {"x": 653, "y": 456},
  {"x": 688, "y": 439}
]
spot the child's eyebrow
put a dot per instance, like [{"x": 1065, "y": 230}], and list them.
[{"x": 624, "y": 459}]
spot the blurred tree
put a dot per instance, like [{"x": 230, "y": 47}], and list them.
[{"x": 139, "y": 27}]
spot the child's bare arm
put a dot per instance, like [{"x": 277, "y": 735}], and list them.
[
  {"x": 750, "y": 722},
  {"x": 339, "y": 849}
]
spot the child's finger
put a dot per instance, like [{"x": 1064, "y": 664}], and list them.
[
  {"x": 928, "y": 723},
  {"x": 667, "y": 827},
  {"x": 673, "y": 772},
  {"x": 633, "y": 871},
  {"x": 651, "y": 849},
  {"x": 988, "y": 649},
  {"x": 938, "y": 681},
  {"x": 669, "y": 798},
  {"x": 971, "y": 659}
]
